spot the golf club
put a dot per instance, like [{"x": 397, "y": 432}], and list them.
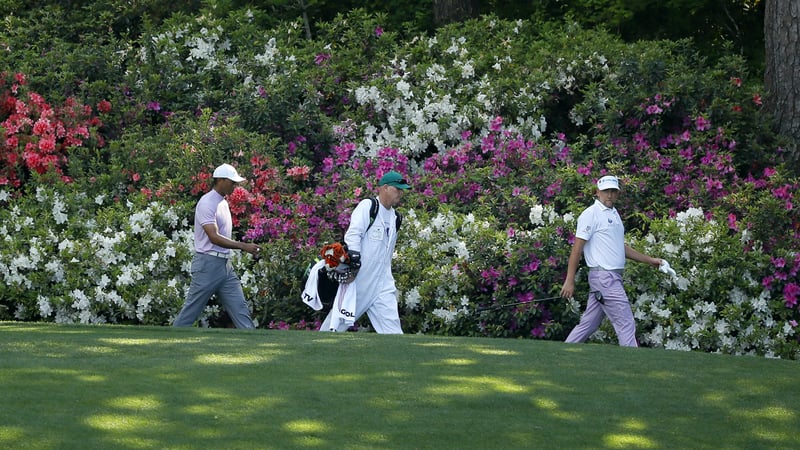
[{"x": 505, "y": 305}]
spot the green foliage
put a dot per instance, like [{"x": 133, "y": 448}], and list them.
[
  {"x": 93, "y": 259},
  {"x": 717, "y": 302},
  {"x": 501, "y": 126}
]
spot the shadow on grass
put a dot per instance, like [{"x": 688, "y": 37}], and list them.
[{"x": 151, "y": 387}]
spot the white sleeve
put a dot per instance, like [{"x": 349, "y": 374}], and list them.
[
  {"x": 585, "y": 227},
  {"x": 359, "y": 222}
]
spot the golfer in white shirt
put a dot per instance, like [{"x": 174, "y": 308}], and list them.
[{"x": 600, "y": 239}]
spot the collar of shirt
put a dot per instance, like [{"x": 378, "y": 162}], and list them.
[{"x": 602, "y": 207}]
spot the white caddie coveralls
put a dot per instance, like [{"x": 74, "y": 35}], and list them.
[{"x": 376, "y": 293}]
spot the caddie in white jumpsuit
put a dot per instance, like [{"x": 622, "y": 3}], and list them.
[
  {"x": 600, "y": 237},
  {"x": 376, "y": 293}
]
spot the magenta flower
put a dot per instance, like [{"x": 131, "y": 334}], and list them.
[
  {"x": 524, "y": 297},
  {"x": 378, "y": 31},
  {"x": 497, "y": 124},
  {"x": 784, "y": 192},
  {"x": 790, "y": 292},
  {"x": 538, "y": 331},
  {"x": 532, "y": 266},
  {"x": 654, "y": 109},
  {"x": 701, "y": 123},
  {"x": 732, "y": 222},
  {"x": 321, "y": 58}
]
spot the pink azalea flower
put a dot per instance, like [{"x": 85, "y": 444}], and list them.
[
  {"x": 701, "y": 123},
  {"x": 790, "y": 292},
  {"x": 321, "y": 58}
]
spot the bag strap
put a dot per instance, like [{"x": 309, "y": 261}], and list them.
[{"x": 373, "y": 213}]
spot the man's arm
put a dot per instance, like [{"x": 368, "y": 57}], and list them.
[
  {"x": 212, "y": 231},
  {"x": 630, "y": 253},
  {"x": 359, "y": 221},
  {"x": 568, "y": 289}
]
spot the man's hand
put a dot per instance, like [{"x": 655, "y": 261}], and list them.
[
  {"x": 251, "y": 248},
  {"x": 568, "y": 289}
]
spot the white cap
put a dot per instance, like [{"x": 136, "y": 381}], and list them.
[
  {"x": 608, "y": 182},
  {"x": 227, "y": 171}
]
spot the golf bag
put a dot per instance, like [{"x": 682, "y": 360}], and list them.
[{"x": 340, "y": 267}]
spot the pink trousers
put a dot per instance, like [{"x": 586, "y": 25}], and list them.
[{"x": 614, "y": 305}]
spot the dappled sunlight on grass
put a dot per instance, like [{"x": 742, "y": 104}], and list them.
[
  {"x": 394, "y": 374},
  {"x": 662, "y": 375},
  {"x": 135, "y": 403},
  {"x": 397, "y": 415},
  {"x": 433, "y": 344},
  {"x": 306, "y": 426},
  {"x": 309, "y": 441},
  {"x": 552, "y": 407},
  {"x": 373, "y": 438},
  {"x": 459, "y": 362},
  {"x": 633, "y": 424},
  {"x": 545, "y": 383},
  {"x": 233, "y": 360},
  {"x": 475, "y": 386},
  {"x": 92, "y": 378},
  {"x": 492, "y": 351},
  {"x": 621, "y": 440},
  {"x": 98, "y": 350},
  {"x": 10, "y": 433},
  {"x": 629, "y": 438},
  {"x": 715, "y": 397},
  {"x": 206, "y": 409},
  {"x": 314, "y": 434},
  {"x": 118, "y": 422},
  {"x": 135, "y": 341},
  {"x": 341, "y": 378},
  {"x": 777, "y": 413}
]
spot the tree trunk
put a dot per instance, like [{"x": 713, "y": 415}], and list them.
[
  {"x": 782, "y": 67},
  {"x": 450, "y": 11}
]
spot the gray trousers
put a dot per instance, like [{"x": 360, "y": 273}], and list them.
[{"x": 213, "y": 275}]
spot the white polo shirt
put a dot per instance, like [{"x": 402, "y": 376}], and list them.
[
  {"x": 604, "y": 234},
  {"x": 212, "y": 208}
]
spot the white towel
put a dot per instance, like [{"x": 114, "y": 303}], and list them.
[
  {"x": 343, "y": 313},
  {"x": 311, "y": 292}
]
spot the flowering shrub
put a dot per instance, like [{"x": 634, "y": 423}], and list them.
[
  {"x": 92, "y": 259},
  {"x": 37, "y": 136},
  {"x": 501, "y": 128},
  {"x": 720, "y": 300}
]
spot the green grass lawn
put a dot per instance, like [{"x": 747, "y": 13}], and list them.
[{"x": 119, "y": 387}]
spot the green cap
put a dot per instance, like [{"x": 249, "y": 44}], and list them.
[{"x": 394, "y": 179}]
